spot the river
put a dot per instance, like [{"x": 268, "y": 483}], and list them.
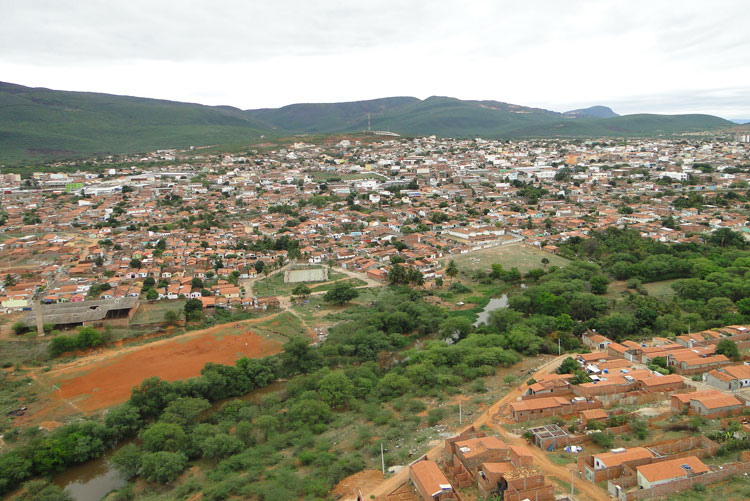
[
  {"x": 92, "y": 480},
  {"x": 495, "y": 304}
]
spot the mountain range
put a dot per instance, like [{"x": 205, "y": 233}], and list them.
[{"x": 38, "y": 124}]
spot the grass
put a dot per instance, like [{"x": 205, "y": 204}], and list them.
[
  {"x": 154, "y": 312},
  {"x": 354, "y": 282},
  {"x": 274, "y": 285},
  {"x": 562, "y": 458},
  {"x": 736, "y": 487},
  {"x": 509, "y": 256},
  {"x": 661, "y": 290},
  {"x": 281, "y": 327},
  {"x": 28, "y": 349}
]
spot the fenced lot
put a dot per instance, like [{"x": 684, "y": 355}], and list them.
[
  {"x": 509, "y": 256},
  {"x": 151, "y": 313}
]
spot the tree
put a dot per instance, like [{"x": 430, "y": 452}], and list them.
[
  {"x": 728, "y": 348},
  {"x": 193, "y": 308},
  {"x": 335, "y": 389},
  {"x": 163, "y": 466},
  {"x": 397, "y": 274},
  {"x": 568, "y": 366},
  {"x": 127, "y": 460},
  {"x": 259, "y": 266},
  {"x": 300, "y": 357},
  {"x": 451, "y": 270},
  {"x": 196, "y": 283},
  {"x": 171, "y": 317},
  {"x": 455, "y": 328},
  {"x": 43, "y": 490},
  {"x": 267, "y": 424},
  {"x": 414, "y": 277},
  {"x": 9, "y": 281},
  {"x": 563, "y": 322},
  {"x": 152, "y": 295},
  {"x": 221, "y": 445},
  {"x": 599, "y": 284},
  {"x": 301, "y": 290},
  {"x": 135, "y": 263},
  {"x": 439, "y": 283},
  {"x": 19, "y": 328},
  {"x": 185, "y": 410},
  {"x": 340, "y": 294},
  {"x": 124, "y": 420},
  {"x": 743, "y": 306},
  {"x": 162, "y": 436}
]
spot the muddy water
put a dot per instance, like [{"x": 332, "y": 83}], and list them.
[
  {"x": 495, "y": 304},
  {"x": 92, "y": 480}
]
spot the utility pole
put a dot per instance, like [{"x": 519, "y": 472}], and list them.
[
  {"x": 382, "y": 459},
  {"x": 572, "y": 488},
  {"x": 559, "y": 352},
  {"x": 460, "y": 414}
]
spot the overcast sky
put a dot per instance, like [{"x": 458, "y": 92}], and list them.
[{"x": 659, "y": 56}]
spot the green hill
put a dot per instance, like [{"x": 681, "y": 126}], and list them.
[{"x": 40, "y": 124}]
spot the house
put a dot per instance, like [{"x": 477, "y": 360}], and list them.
[
  {"x": 592, "y": 415},
  {"x": 651, "y": 475},
  {"x": 709, "y": 403},
  {"x": 662, "y": 383},
  {"x": 550, "y": 384},
  {"x": 595, "y": 342},
  {"x": 732, "y": 377},
  {"x": 715, "y": 405},
  {"x": 430, "y": 482},
  {"x": 616, "y": 457}
]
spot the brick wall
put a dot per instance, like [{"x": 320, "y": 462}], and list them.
[
  {"x": 563, "y": 410},
  {"x": 687, "y": 483}
]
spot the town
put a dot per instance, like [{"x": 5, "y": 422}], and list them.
[
  {"x": 359, "y": 204},
  {"x": 177, "y": 261}
]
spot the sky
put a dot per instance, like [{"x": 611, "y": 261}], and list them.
[{"x": 655, "y": 56}]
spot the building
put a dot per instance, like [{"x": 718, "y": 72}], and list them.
[
  {"x": 617, "y": 457},
  {"x": 730, "y": 378},
  {"x": 710, "y": 403},
  {"x": 651, "y": 475},
  {"x": 430, "y": 482},
  {"x": 596, "y": 342}
]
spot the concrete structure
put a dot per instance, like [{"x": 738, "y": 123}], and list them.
[
  {"x": 88, "y": 313},
  {"x": 654, "y": 474},
  {"x": 430, "y": 482},
  {"x": 294, "y": 276}
]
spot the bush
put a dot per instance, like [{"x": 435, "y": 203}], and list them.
[
  {"x": 163, "y": 467},
  {"x": 435, "y": 415},
  {"x": 87, "y": 337},
  {"x": 603, "y": 439}
]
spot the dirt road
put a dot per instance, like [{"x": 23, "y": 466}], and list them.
[{"x": 584, "y": 490}]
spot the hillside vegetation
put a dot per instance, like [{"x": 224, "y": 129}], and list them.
[{"x": 38, "y": 124}]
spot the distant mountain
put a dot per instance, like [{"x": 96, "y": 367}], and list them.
[
  {"x": 740, "y": 121},
  {"x": 591, "y": 112},
  {"x": 40, "y": 124}
]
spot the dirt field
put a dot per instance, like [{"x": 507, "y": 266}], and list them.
[{"x": 100, "y": 381}]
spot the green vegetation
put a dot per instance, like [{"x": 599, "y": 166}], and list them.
[
  {"x": 87, "y": 337},
  {"x": 46, "y": 124},
  {"x": 390, "y": 358}
]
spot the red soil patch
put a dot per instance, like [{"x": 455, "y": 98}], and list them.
[
  {"x": 364, "y": 480},
  {"x": 104, "y": 383}
]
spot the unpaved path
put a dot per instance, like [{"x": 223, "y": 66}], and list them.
[{"x": 584, "y": 490}]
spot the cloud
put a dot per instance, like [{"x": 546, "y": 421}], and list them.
[{"x": 637, "y": 55}]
